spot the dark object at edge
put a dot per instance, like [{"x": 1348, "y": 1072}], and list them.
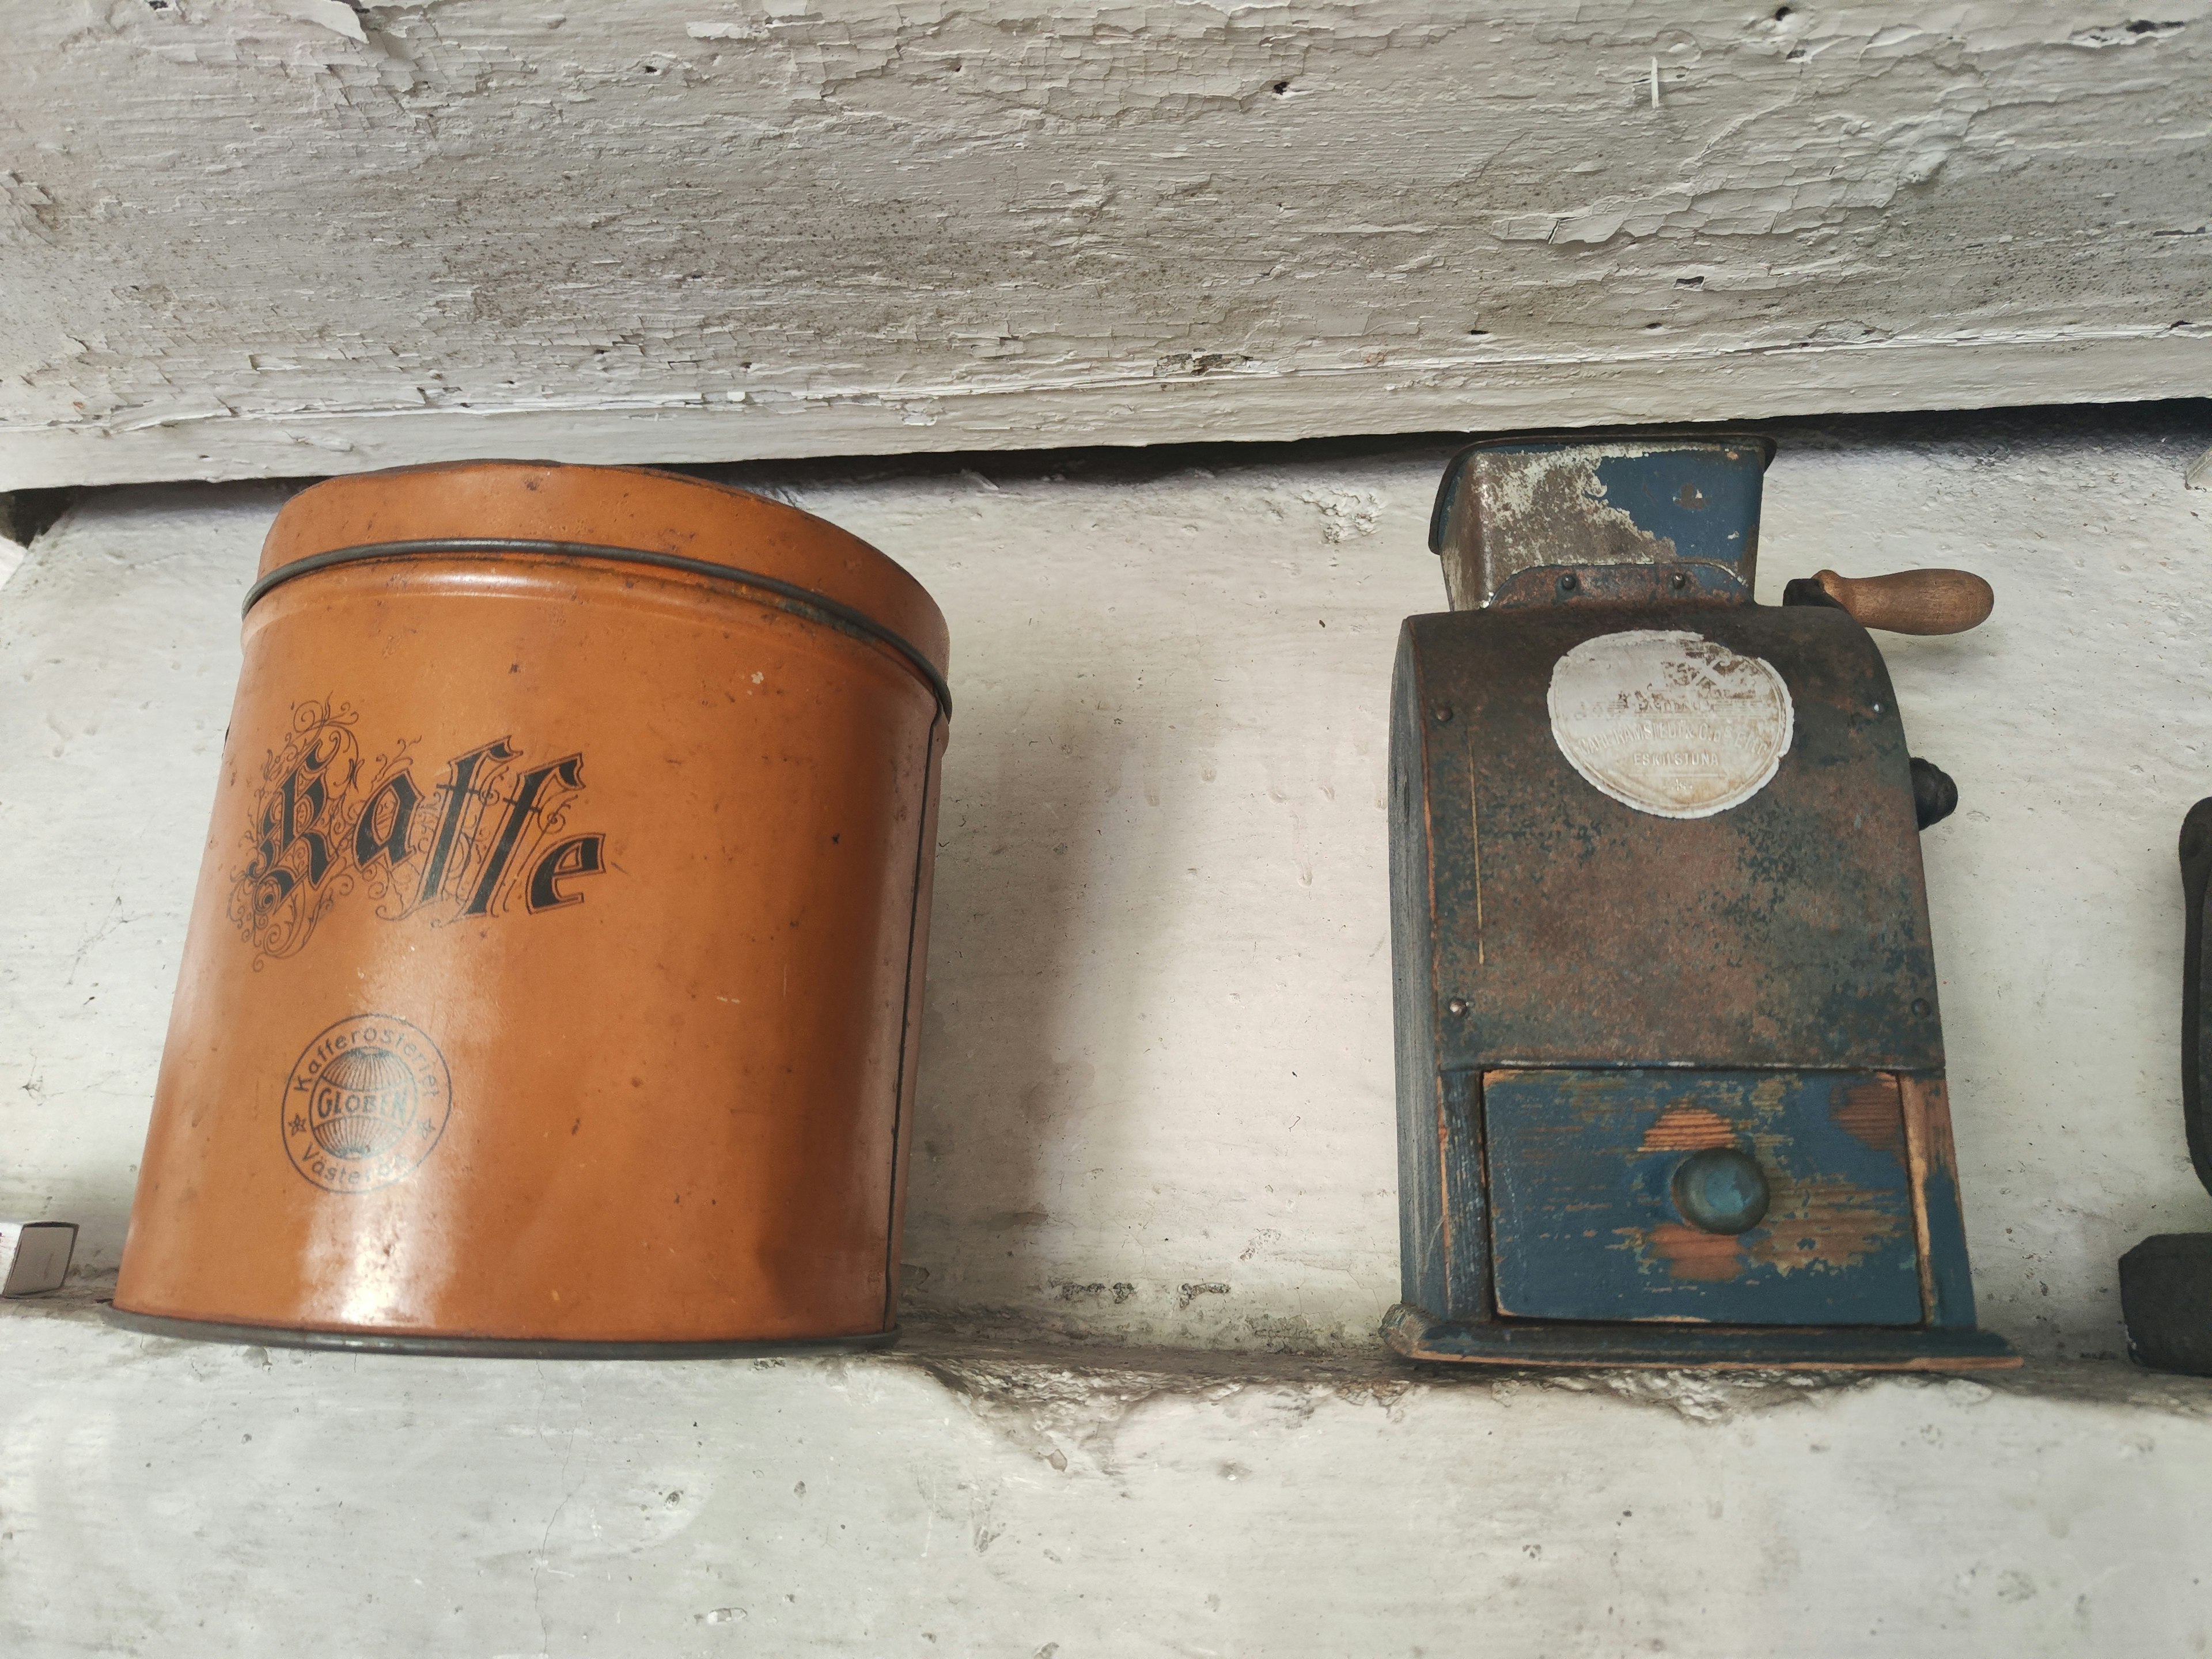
[
  {"x": 2165, "y": 1281},
  {"x": 1934, "y": 796}
]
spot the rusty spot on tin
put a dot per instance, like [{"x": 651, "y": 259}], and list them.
[
  {"x": 1687, "y": 1129},
  {"x": 1870, "y": 1113}
]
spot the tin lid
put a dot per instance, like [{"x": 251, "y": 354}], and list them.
[{"x": 615, "y": 513}]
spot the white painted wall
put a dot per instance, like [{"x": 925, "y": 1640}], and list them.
[
  {"x": 1157, "y": 1057},
  {"x": 287, "y": 237}
]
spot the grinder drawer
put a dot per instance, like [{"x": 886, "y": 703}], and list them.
[{"x": 1758, "y": 1198}]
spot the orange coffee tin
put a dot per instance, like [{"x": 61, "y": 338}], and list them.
[{"x": 554, "y": 981}]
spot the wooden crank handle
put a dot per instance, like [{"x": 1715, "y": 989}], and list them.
[{"x": 1912, "y": 601}]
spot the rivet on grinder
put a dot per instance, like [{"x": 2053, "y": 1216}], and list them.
[
  {"x": 1457, "y": 1004},
  {"x": 1443, "y": 713}
]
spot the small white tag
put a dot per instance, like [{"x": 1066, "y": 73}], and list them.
[{"x": 1673, "y": 724}]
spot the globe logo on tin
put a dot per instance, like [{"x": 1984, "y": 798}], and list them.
[
  {"x": 362, "y": 1105},
  {"x": 366, "y": 1104}
]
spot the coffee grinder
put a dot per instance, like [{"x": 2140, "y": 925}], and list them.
[{"x": 1670, "y": 1067}]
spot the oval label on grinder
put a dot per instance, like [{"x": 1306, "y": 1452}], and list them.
[{"x": 1670, "y": 723}]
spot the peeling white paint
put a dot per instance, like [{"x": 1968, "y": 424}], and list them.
[
  {"x": 333, "y": 15},
  {"x": 277, "y": 236}
]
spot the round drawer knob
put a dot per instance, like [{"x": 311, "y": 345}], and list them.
[{"x": 1721, "y": 1190}]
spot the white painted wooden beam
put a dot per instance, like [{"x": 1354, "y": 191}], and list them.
[{"x": 249, "y": 237}]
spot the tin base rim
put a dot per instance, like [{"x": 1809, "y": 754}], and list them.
[{"x": 483, "y": 1347}]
